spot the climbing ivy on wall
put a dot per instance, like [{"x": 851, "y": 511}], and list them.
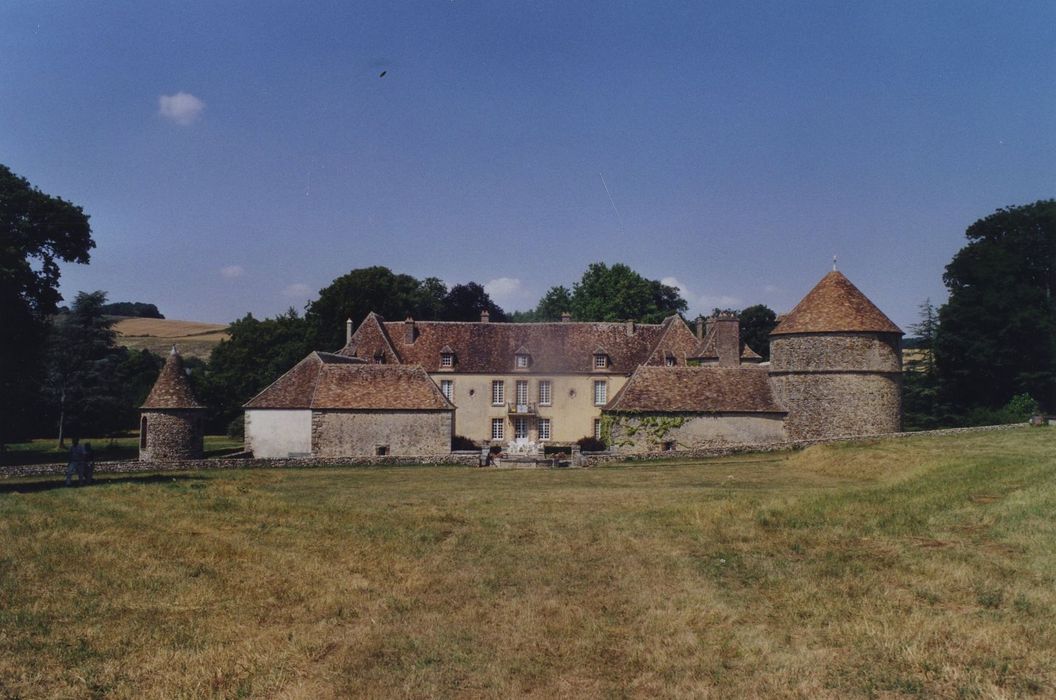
[{"x": 625, "y": 429}]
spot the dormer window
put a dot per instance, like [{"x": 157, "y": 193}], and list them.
[
  {"x": 601, "y": 360},
  {"x": 520, "y": 361},
  {"x": 447, "y": 357}
]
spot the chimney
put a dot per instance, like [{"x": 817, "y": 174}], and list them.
[
  {"x": 408, "y": 331},
  {"x": 727, "y": 338},
  {"x": 565, "y": 317},
  {"x": 348, "y": 331},
  {"x": 485, "y": 316},
  {"x": 700, "y": 328},
  {"x": 630, "y": 328}
]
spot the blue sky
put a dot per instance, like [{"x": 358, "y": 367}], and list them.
[{"x": 237, "y": 157}]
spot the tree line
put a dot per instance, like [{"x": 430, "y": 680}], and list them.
[{"x": 989, "y": 351}]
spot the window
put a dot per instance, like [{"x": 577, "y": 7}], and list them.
[
  {"x": 520, "y": 428},
  {"x": 381, "y": 450},
  {"x": 447, "y": 387},
  {"x": 601, "y": 393},
  {"x": 669, "y": 361},
  {"x": 520, "y": 361},
  {"x": 544, "y": 392},
  {"x": 522, "y": 392},
  {"x": 597, "y": 428},
  {"x": 601, "y": 361},
  {"x": 544, "y": 428},
  {"x": 143, "y": 433},
  {"x": 496, "y": 428},
  {"x": 498, "y": 392},
  {"x": 447, "y": 359}
]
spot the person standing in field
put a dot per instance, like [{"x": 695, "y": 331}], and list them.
[
  {"x": 76, "y": 462},
  {"x": 89, "y": 463}
]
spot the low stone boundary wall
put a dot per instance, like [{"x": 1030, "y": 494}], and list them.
[
  {"x": 591, "y": 458},
  {"x": 466, "y": 458}
]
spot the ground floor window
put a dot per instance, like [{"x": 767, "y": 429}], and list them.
[
  {"x": 597, "y": 428},
  {"x": 496, "y": 428},
  {"x": 520, "y": 428},
  {"x": 143, "y": 433},
  {"x": 544, "y": 428}
]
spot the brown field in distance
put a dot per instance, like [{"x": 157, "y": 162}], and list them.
[{"x": 193, "y": 338}]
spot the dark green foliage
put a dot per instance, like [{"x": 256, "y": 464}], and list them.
[
  {"x": 920, "y": 397},
  {"x": 257, "y": 353},
  {"x": 556, "y": 301},
  {"x": 591, "y": 444},
  {"x": 37, "y": 231},
  {"x": 465, "y": 302},
  {"x": 757, "y": 322},
  {"x": 132, "y": 308},
  {"x": 376, "y": 289},
  {"x": 618, "y": 293},
  {"x": 997, "y": 333}
]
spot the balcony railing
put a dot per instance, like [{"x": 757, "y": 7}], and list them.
[{"x": 521, "y": 409}]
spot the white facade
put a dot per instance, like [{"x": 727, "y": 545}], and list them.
[{"x": 273, "y": 433}]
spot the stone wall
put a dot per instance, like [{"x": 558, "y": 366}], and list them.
[
  {"x": 638, "y": 433},
  {"x": 362, "y": 433},
  {"x": 171, "y": 435},
  {"x": 838, "y": 384}
]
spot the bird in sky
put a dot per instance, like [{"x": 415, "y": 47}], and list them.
[{"x": 382, "y": 74}]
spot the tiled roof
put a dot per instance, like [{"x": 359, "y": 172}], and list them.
[
  {"x": 835, "y": 305},
  {"x": 750, "y": 355},
  {"x": 330, "y": 381},
  {"x": 172, "y": 388},
  {"x": 490, "y": 347},
  {"x": 697, "y": 390}
]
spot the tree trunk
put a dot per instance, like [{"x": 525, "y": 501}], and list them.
[{"x": 62, "y": 418}]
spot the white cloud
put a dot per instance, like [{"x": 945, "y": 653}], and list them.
[
  {"x": 182, "y": 108},
  {"x": 506, "y": 291},
  {"x": 297, "y": 290},
  {"x": 771, "y": 289},
  {"x": 232, "y": 271},
  {"x": 702, "y": 303}
]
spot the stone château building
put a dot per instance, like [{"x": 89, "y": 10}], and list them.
[
  {"x": 834, "y": 370},
  {"x": 171, "y": 419}
]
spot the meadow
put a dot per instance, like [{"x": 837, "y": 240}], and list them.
[{"x": 916, "y": 567}]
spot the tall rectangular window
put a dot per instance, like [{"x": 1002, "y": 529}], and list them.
[
  {"x": 544, "y": 428},
  {"x": 544, "y": 392},
  {"x": 601, "y": 393},
  {"x": 522, "y": 392},
  {"x": 498, "y": 392},
  {"x": 520, "y": 428},
  {"x": 447, "y": 387},
  {"x": 496, "y": 428},
  {"x": 597, "y": 428}
]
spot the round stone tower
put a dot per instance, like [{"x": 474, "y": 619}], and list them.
[
  {"x": 836, "y": 364},
  {"x": 170, "y": 420}
]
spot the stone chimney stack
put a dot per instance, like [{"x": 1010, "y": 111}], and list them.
[
  {"x": 566, "y": 317},
  {"x": 727, "y": 331},
  {"x": 630, "y": 328},
  {"x": 348, "y": 331},
  {"x": 485, "y": 317},
  {"x": 700, "y": 328},
  {"x": 408, "y": 331}
]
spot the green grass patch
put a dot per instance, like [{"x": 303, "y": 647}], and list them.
[
  {"x": 904, "y": 568},
  {"x": 47, "y": 451}
]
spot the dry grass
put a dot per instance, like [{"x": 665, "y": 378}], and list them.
[
  {"x": 194, "y": 338},
  {"x": 915, "y": 567}
]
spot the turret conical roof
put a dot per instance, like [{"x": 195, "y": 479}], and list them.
[
  {"x": 172, "y": 389},
  {"x": 833, "y": 306}
]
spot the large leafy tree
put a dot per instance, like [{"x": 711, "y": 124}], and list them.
[
  {"x": 618, "y": 293},
  {"x": 757, "y": 322},
  {"x": 378, "y": 289},
  {"x": 37, "y": 232},
  {"x": 996, "y": 336},
  {"x": 465, "y": 302}
]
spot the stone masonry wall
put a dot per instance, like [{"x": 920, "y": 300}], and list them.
[
  {"x": 696, "y": 431},
  {"x": 172, "y": 435},
  {"x": 857, "y": 352},
  {"x": 359, "y": 433}
]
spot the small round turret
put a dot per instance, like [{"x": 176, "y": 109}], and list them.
[{"x": 171, "y": 419}]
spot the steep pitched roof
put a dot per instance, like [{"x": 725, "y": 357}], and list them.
[
  {"x": 835, "y": 305},
  {"x": 490, "y": 347},
  {"x": 372, "y": 340},
  {"x": 697, "y": 390},
  {"x": 749, "y": 355},
  {"x": 172, "y": 388},
  {"x": 331, "y": 381},
  {"x": 676, "y": 341}
]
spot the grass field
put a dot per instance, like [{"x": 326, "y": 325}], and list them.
[
  {"x": 45, "y": 451},
  {"x": 194, "y": 338},
  {"x": 916, "y": 567}
]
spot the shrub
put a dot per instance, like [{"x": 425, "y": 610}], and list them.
[
  {"x": 461, "y": 442},
  {"x": 236, "y": 429},
  {"x": 590, "y": 444}
]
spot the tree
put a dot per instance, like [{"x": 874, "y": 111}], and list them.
[
  {"x": 465, "y": 302},
  {"x": 920, "y": 407},
  {"x": 618, "y": 293},
  {"x": 137, "y": 309},
  {"x": 83, "y": 365},
  {"x": 257, "y": 353},
  {"x": 757, "y": 322},
  {"x": 996, "y": 335},
  {"x": 378, "y": 289},
  {"x": 37, "y": 232}
]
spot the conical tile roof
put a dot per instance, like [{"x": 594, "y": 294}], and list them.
[
  {"x": 833, "y": 306},
  {"x": 173, "y": 389}
]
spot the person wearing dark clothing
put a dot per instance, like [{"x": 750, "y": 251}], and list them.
[
  {"x": 76, "y": 462},
  {"x": 89, "y": 463}
]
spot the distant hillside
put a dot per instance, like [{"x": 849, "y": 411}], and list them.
[{"x": 193, "y": 338}]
